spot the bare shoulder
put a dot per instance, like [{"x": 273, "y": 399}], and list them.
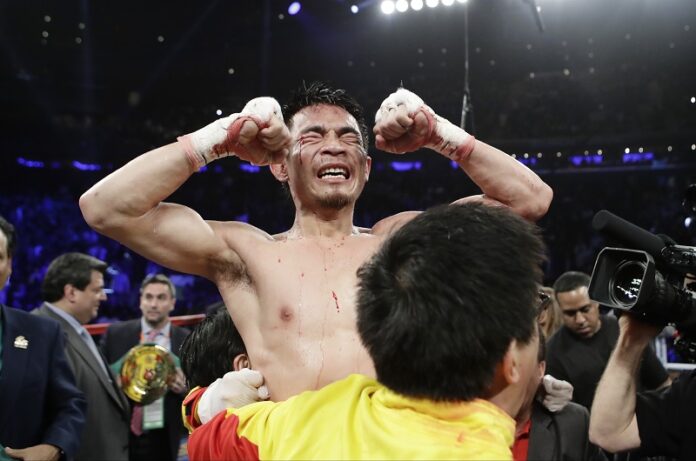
[
  {"x": 233, "y": 231},
  {"x": 239, "y": 238},
  {"x": 392, "y": 223}
]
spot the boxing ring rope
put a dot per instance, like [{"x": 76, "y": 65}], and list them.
[{"x": 180, "y": 320}]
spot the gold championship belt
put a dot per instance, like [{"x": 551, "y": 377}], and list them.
[{"x": 147, "y": 370}]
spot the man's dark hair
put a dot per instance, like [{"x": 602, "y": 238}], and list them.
[
  {"x": 159, "y": 278},
  {"x": 441, "y": 301},
  {"x": 208, "y": 351},
  {"x": 9, "y": 231},
  {"x": 70, "y": 268},
  {"x": 569, "y": 281},
  {"x": 320, "y": 93}
]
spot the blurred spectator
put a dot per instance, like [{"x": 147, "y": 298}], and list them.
[
  {"x": 550, "y": 316},
  {"x": 580, "y": 349},
  {"x": 73, "y": 289},
  {"x": 542, "y": 434},
  {"x": 154, "y": 437},
  {"x": 43, "y": 412}
]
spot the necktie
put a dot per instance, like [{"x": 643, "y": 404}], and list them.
[{"x": 136, "y": 424}]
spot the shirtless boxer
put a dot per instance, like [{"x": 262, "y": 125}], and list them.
[{"x": 292, "y": 295}]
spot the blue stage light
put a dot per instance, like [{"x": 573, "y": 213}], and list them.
[{"x": 294, "y": 8}]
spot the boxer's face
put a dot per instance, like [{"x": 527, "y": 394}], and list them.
[{"x": 328, "y": 165}]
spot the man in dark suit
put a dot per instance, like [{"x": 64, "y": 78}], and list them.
[
  {"x": 72, "y": 290},
  {"x": 42, "y": 412},
  {"x": 542, "y": 434},
  {"x": 152, "y": 438}
]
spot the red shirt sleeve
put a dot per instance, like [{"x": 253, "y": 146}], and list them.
[{"x": 219, "y": 439}]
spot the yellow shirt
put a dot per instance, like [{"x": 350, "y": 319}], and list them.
[{"x": 356, "y": 418}]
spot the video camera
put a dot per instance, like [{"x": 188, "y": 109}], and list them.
[{"x": 647, "y": 281}]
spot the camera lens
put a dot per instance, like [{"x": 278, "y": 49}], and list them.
[{"x": 625, "y": 285}]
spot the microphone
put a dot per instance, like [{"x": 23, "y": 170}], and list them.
[
  {"x": 618, "y": 228},
  {"x": 536, "y": 12}
]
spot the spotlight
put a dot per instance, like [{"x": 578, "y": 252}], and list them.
[
  {"x": 432, "y": 3},
  {"x": 693, "y": 99},
  {"x": 627, "y": 150},
  {"x": 401, "y": 6},
  {"x": 416, "y": 5},
  {"x": 448, "y": 2},
  {"x": 218, "y": 112},
  {"x": 354, "y": 9},
  {"x": 294, "y": 8},
  {"x": 387, "y": 7}
]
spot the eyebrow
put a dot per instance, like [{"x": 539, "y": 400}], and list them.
[
  {"x": 322, "y": 130},
  {"x": 574, "y": 311}
]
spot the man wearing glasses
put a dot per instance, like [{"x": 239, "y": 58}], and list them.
[{"x": 578, "y": 352}]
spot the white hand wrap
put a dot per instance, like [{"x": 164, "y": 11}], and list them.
[
  {"x": 558, "y": 393},
  {"x": 221, "y": 138},
  {"x": 443, "y": 137},
  {"x": 234, "y": 390}
]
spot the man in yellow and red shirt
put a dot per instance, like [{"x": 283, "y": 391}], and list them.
[{"x": 446, "y": 310}]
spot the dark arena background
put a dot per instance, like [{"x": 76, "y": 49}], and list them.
[{"x": 597, "y": 97}]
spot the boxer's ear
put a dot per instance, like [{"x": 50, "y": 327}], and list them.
[{"x": 280, "y": 171}]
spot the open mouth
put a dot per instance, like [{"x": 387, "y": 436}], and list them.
[{"x": 334, "y": 173}]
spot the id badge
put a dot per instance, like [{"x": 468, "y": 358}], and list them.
[{"x": 153, "y": 415}]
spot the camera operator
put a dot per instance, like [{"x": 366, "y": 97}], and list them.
[{"x": 658, "y": 422}]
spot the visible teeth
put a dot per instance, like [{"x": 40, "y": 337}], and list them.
[{"x": 334, "y": 172}]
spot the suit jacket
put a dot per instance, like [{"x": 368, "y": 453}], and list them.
[
  {"x": 119, "y": 339},
  {"x": 563, "y": 435},
  {"x": 108, "y": 414},
  {"x": 39, "y": 401}
]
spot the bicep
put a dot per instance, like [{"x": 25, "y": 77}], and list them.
[{"x": 177, "y": 237}]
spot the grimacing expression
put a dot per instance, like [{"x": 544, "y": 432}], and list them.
[
  {"x": 580, "y": 314},
  {"x": 156, "y": 302},
  {"x": 328, "y": 165}
]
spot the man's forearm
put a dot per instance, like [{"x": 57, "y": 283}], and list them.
[
  {"x": 504, "y": 180},
  {"x": 137, "y": 187},
  {"x": 613, "y": 423}
]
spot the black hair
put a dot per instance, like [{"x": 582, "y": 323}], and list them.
[
  {"x": 69, "y": 269},
  {"x": 440, "y": 302},
  {"x": 569, "y": 281},
  {"x": 321, "y": 93},
  {"x": 208, "y": 351},
  {"x": 9, "y": 231}
]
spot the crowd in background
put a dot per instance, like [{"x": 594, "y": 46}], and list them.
[{"x": 50, "y": 223}]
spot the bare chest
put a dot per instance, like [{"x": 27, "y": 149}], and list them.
[{"x": 307, "y": 281}]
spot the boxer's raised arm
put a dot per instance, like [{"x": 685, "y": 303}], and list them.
[
  {"x": 128, "y": 204},
  {"x": 404, "y": 123}
]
